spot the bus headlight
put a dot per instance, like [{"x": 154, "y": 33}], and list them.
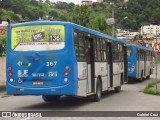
[
  {"x": 11, "y": 80},
  {"x": 65, "y": 80}
]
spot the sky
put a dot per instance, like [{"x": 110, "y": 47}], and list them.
[{"x": 68, "y": 1}]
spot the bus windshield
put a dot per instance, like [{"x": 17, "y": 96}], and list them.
[
  {"x": 38, "y": 38},
  {"x": 129, "y": 51}
]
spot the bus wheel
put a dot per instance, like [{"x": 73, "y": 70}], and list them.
[
  {"x": 98, "y": 94},
  {"x": 148, "y": 77},
  {"x": 141, "y": 78},
  {"x": 117, "y": 89},
  {"x": 50, "y": 98}
]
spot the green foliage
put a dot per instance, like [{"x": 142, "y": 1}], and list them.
[
  {"x": 29, "y": 10},
  {"x": 139, "y": 12},
  {"x": 151, "y": 88},
  {"x": 158, "y": 61},
  {"x": 3, "y": 43},
  {"x": 81, "y": 15}
]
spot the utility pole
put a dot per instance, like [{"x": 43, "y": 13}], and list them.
[
  {"x": 113, "y": 25},
  {"x": 156, "y": 60}
]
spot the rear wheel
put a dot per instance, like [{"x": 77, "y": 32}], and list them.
[
  {"x": 117, "y": 89},
  {"x": 148, "y": 77},
  {"x": 98, "y": 94},
  {"x": 50, "y": 98},
  {"x": 141, "y": 78}
]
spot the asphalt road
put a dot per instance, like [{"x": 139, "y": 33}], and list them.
[{"x": 131, "y": 98}]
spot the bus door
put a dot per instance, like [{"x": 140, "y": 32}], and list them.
[
  {"x": 138, "y": 63},
  {"x": 109, "y": 64},
  {"x": 125, "y": 57},
  {"x": 90, "y": 65},
  {"x": 145, "y": 65}
]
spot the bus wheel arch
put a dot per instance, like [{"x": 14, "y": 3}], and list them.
[{"x": 98, "y": 92}]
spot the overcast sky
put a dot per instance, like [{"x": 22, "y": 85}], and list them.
[{"x": 74, "y": 1}]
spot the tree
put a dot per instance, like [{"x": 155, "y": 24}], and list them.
[
  {"x": 40, "y": 1},
  {"x": 139, "y": 12},
  {"x": 3, "y": 43},
  {"x": 48, "y": 2},
  {"x": 34, "y": 2},
  {"x": 81, "y": 15},
  {"x": 53, "y": 13}
]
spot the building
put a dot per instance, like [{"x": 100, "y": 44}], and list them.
[
  {"x": 150, "y": 29},
  {"x": 151, "y": 32},
  {"x": 87, "y": 2},
  {"x": 126, "y": 34}
]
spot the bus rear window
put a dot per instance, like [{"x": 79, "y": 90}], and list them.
[
  {"x": 129, "y": 51},
  {"x": 38, "y": 38}
]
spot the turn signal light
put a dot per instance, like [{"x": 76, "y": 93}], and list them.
[
  {"x": 9, "y": 68},
  {"x": 67, "y": 68}
]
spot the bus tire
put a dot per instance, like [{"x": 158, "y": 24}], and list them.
[
  {"x": 141, "y": 78},
  {"x": 98, "y": 93},
  {"x": 148, "y": 77},
  {"x": 117, "y": 89},
  {"x": 50, "y": 98}
]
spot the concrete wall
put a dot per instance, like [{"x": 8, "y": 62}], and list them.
[{"x": 2, "y": 70}]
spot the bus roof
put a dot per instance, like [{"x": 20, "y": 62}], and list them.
[
  {"x": 140, "y": 47},
  {"x": 76, "y": 26}
]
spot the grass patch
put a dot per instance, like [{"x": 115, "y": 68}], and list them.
[
  {"x": 151, "y": 88},
  {"x": 158, "y": 61}
]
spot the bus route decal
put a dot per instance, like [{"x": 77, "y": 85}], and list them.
[{"x": 38, "y": 38}]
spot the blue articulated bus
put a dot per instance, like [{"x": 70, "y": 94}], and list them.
[
  {"x": 55, "y": 58},
  {"x": 140, "y": 62}
]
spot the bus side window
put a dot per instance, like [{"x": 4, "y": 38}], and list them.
[
  {"x": 79, "y": 44},
  {"x": 88, "y": 50}
]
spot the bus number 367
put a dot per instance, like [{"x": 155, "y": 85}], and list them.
[{"x": 54, "y": 63}]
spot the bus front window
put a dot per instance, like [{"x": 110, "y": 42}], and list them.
[
  {"x": 129, "y": 51},
  {"x": 38, "y": 38}
]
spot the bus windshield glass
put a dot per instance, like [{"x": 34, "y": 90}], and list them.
[
  {"x": 38, "y": 38},
  {"x": 129, "y": 51}
]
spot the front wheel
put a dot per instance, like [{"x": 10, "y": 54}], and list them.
[
  {"x": 98, "y": 94},
  {"x": 50, "y": 98}
]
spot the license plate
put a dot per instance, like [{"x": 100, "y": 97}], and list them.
[{"x": 37, "y": 82}]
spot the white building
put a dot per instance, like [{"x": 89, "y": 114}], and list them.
[
  {"x": 150, "y": 29},
  {"x": 87, "y": 2},
  {"x": 123, "y": 34}
]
